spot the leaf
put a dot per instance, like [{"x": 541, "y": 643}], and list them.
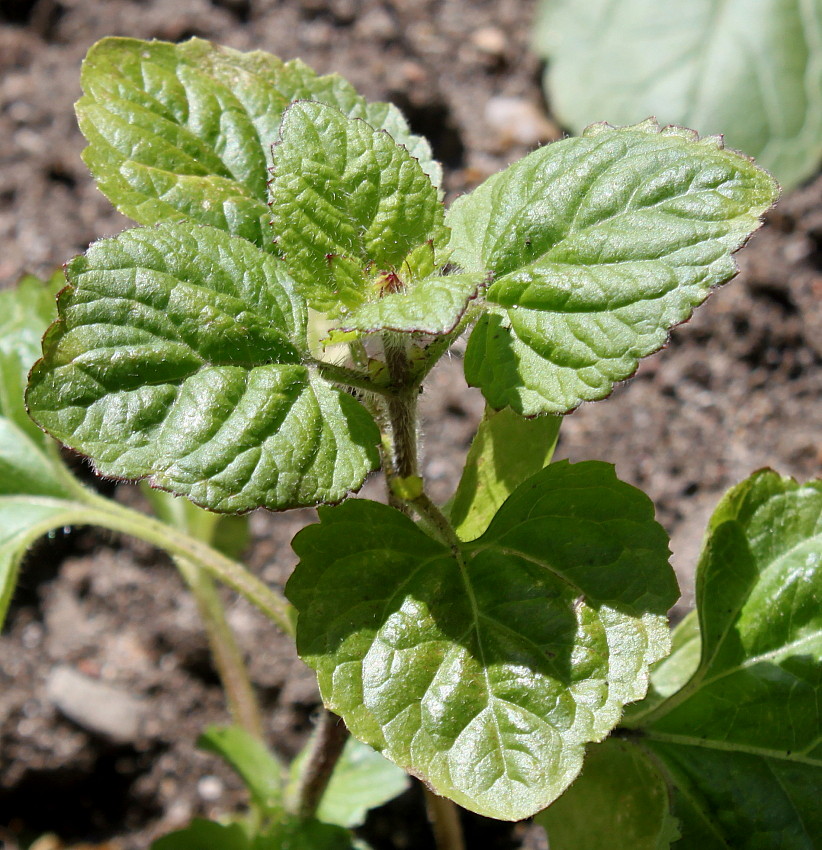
[
  {"x": 599, "y": 245},
  {"x": 752, "y": 71},
  {"x": 184, "y": 131},
  {"x": 205, "y": 835},
  {"x": 362, "y": 780},
  {"x": 25, "y": 312},
  {"x": 485, "y": 673},
  {"x": 260, "y": 771},
  {"x": 620, "y": 802},
  {"x": 178, "y": 356},
  {"x": 741, "y": 740},
  {"x": 506, "y": 450},
  {"x": 433, "y": 305},
  {"x": 349, "y": 206}
]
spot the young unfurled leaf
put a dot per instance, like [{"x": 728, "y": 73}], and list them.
[
  {"x": 619, "y": 802},
  {"x": 349, "y": 207},
  {"x": 178, "y": 356},
  {"x": 752, "y": 71},
  {"x": 740, "y": 741},
  {"x": 506, "y": 450},
  {"x": 486, "y": 671},
  {"x": 433, "y": 305},
  {"x": 185, "y": 130},
  {"x": 599, "y": 245}
]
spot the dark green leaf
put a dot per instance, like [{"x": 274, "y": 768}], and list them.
[
  {"x": 506, "y": 450},
  {"x": 599, "y": 246},
  {"x": 741, "y": 740},
  {"x": 206, "y": 835},
  {"x": 260, "y": 771},
  {"x": 620, "y": 802},
  {"x": 184, "y": 131},
  {"x": 752, "y": 71},
  {"x": 485, "y": 673},
  {"x": 178, "y": 356},
  {"x": 349, "y": 206}
]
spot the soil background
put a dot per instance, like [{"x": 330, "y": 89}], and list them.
[{"x": 737, "y": 388}]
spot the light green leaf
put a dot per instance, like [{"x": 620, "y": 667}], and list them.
[
  {"x": 260, "y": 771},
  {"x": 486, "y": 672},
  {"x": 185, "y": 131},
  {"x": 506, "y": 450},
  {"x": 24, "y": 518},
  {"x": 25, "y": 312},
  {"x": 620, "y": 802},
  {"x": 752, "y": 71},
  {"x": 742, "y": 740},
  {"x": 599, "y": 245},
  {"x": 362, "y": 780},
  {"x": 178, "y": 356},
  {"x": 349, "y": 207},
  {"x": 432, "y": 306}
]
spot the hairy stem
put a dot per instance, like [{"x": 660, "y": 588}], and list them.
[
  {"x": 228, "y": 658},
  {"x": 326, "y": 748},
  {"x": 445, "y": 821}
]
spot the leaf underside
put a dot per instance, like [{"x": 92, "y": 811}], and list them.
[
  {"x": 740, "y": 742},
  {"x": 598, "y": 245},
  {"x": 184, "y": 131},
  {"x": 178, "y": 357},
  {"x": 486, "y": 674},
  {"x": 752, "y": 71}
]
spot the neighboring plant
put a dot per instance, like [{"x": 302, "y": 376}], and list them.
[
  {"x": 480, "y": 645},
  {"x": 752, "y": 71}
]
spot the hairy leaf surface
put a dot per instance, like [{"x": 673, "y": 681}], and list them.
[
  {"x": 752, "y": 71},
  {"x": 184, "y": 131},
  {"x": 433, "y": 305},
  {"x": 599, "y": 245},
  {"x": 349, "y": 206},
  {"x": 741, "y": 740},
  {"x": 486, "y": 671},
  {"x": 506, "y": 450},
  {"x": 178, "y": 356}
]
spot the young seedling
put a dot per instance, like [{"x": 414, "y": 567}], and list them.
[{"x": 481, "y": 645}]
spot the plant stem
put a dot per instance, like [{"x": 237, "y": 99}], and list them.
[
  {"x": 326, "y": 748},
  {"x": 95, "y": 510},
  {"x": 445, "y": 821},
  {"x": 228, "y": 658}
]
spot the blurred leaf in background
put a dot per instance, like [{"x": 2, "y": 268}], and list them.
[{"x": 752, "y": 71}]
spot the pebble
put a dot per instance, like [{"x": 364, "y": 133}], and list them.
[
  {"x": 518, "y": 122},
  {"x": 96, "y": 706},
  {"x": 490, "y": 40}
]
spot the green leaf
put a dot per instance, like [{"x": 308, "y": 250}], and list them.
[
  {"x": 599, "y": 245},
  {"x": 741, "y": 740},
  {"x": 362, "y": 780},
  {"x": 260, "y": 771},
  {"x": 506, "y": 450},
  {"x": 184, "y": 131},
  {"x": 620, "y": 802},
  {"x": 433, "y": 305},
  {"x": 25, "y": 312},
  {"x": 178, "y": 356},
  {"x": 752, "y": 71},
  {"x": 349, "y": 206},
  {"x": 205, "y": 835},
  {"x": 486, "y": 671}
]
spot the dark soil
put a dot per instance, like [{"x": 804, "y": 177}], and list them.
[{"x": 738, "y": 388}]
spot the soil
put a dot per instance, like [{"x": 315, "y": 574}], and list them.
[{"x": 737, "y": 389}]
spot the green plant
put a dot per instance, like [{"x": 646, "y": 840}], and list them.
[
  {"x": 752, "y": 71},
  {"x": 484, "y": 644}
]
